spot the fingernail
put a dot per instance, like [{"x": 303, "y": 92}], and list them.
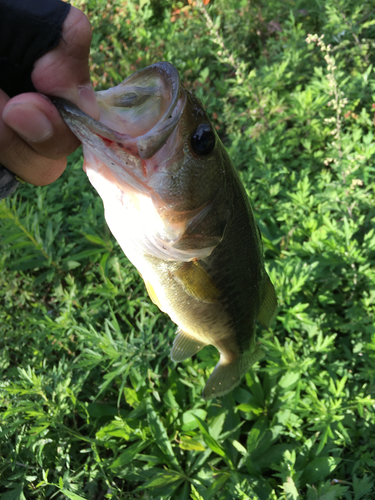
[
  {"x": 88, "y": 100},
  {"x": 28, "y": 121}
]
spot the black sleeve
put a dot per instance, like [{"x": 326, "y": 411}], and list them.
[{"x": 28, "y": 29}]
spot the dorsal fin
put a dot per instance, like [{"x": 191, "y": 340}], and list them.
[{"x": 268, "y": 307}]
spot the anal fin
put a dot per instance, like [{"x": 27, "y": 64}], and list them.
[
  {"x": 268, "y": 307},
  {"x": 185, "y": 346}
]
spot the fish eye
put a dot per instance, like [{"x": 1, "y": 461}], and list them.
[{"x": 203, "y": 140}]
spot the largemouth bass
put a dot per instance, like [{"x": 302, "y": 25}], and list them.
[{"x": 175, "y": 204}]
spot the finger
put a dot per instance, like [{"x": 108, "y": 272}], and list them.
[
  {"x": 36, "y": 120},
  {"x": 64, "y": 71},
  {"x": 19, "y": 157}
]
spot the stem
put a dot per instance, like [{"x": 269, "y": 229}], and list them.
[
  {"x": 338, "y": 119},
  {"x": 218, "y": 39},
  {"x": 12, "y": 216}
]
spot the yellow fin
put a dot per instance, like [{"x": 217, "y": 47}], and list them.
[
  {"x": 197, "y": 282},
  {"x": 152, "y": 294},
  {"x": 185, "y": 346},
  {"x": 268, "y": 307}
]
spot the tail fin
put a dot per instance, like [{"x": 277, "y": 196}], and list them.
[{"x": 226, "y": 376}]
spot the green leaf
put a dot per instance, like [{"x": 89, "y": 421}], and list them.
[
  {"x": 96, "y": 239},
  {"x": 68, "y": 265},
  {"x": 318, "y": 469},
  {"x": 324, "y": 438},
  {"x": 104, "y": 263},
  {"x": 117, "y": 428},
  {"x": 170, "y": 400},
  {"x": 211, "y": 442},
  {"x": 187, "y": 443},
  {"x": 131, "y": 397},
  {"x": 25, "y": 263},
  {"x": 216, "y": 424},
  {"x": 258, "y": 430},
  {"x": 239, "y": 447},
  {"x": 362, "y": 486},
  {"x": 290, "y": 490},
  {"x": 14, "y": 494},
  {"x": 219, "y": 482},
  {"x": 85, "y": 254},
  {"x": 189, "y": 422},
  {"x": 97, "y": 410},
  {"x": 162, "y": 479},
  {"x": 160, "y": 435},
  {"x": 110, "y": 376},
  {"x": 289, "y": 379},
  {"x": 250, "y": 408},
  {"x": 71, "y": 495},
  {"x": 129, "y": 454},
  {"x": 45, "y": 276},
  {"x": 194, "y": 495}
]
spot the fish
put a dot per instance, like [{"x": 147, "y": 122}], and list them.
[{"x": 175, "y": 203}]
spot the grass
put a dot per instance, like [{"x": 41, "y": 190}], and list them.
[{"x": 91, "y": 405}]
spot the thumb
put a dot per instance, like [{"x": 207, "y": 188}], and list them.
[{"x": 64, "y": 71}]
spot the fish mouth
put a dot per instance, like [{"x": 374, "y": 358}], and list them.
[{"x": 136, "y": 119}]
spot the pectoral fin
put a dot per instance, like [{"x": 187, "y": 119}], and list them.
[
  {"x": 206, "y": 229},
  {"x": 268, "y": 308},
  {"x": 184, "y": 346},
  {"x": 196, "y": 282}
]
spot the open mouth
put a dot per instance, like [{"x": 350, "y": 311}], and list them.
[
  {"x": 138, "y": 115},
  {"x": 136, "y": 119}
]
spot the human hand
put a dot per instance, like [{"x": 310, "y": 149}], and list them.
[{"x": 34, "y": 140}]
